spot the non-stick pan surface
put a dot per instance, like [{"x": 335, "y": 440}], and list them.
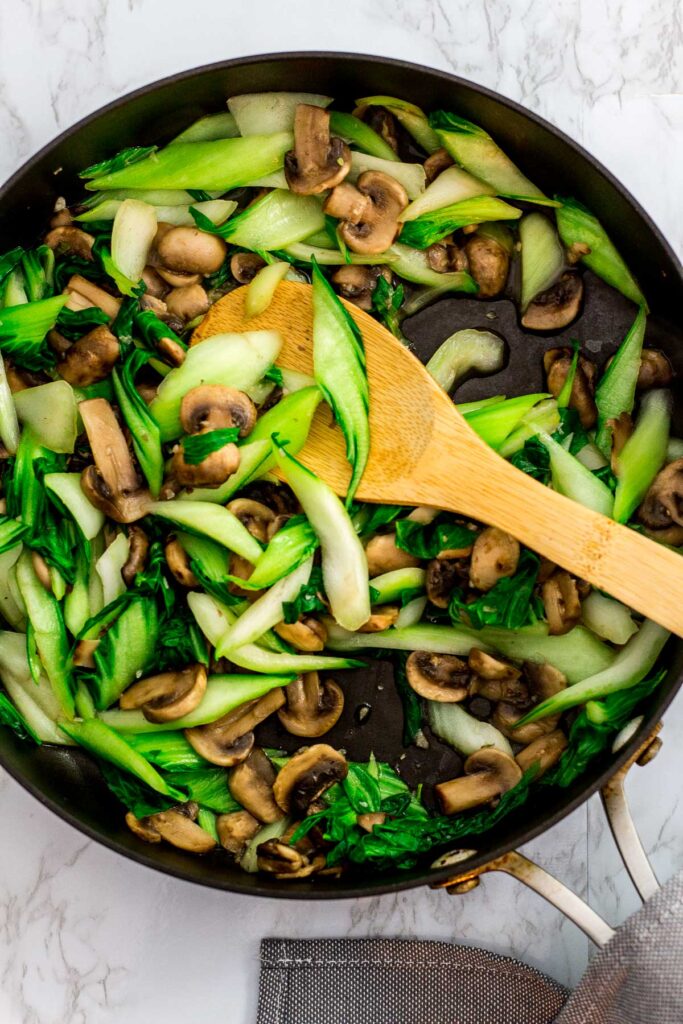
[{"x": 68, "y": 782}]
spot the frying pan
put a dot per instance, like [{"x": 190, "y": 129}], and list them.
[{"x": 67, "y": 781}]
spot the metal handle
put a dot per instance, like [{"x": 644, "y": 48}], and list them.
[{"x": 538, "y": 879}]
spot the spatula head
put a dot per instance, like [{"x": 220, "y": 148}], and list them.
[{"x": 404, "y": 400}]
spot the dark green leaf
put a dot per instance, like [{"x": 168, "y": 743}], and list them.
[
  {"x": 14, "y": 720},
  {"x": 427, "y": 540},
  {"x": 207, "y": 786},
  {"x": 198, "y": 447},
  {"x": 152, "y": 330},
  {"x": 11, "y": 532},
  {"x": 362, "y": 790},
  {"x": 274, "y": 374},
  {"x": 307, "y": 600},
  {"x": 510, "y": 603},
  {"x": 133, "y": 794},
  {"x": 607, "y": 476},
  {"x": 8, "y": 261},
  {"x": 533, "y": 459},
  {"x": 124, "y": 158},
  {"x": 181, "y": 642},
  {"x": 412, "y": 708},
  {"x": 368, "y": 518},
  {"x": 387, "y": 300},
  {"x": 74, "y": 323},
  {"x": 199, "y": 195}
]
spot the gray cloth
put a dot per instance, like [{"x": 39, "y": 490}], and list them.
[{"x": 636, "y": 979}]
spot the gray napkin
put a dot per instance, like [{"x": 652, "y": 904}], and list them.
[{"x": 636, "y": 979}]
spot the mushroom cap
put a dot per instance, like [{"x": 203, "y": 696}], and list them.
[
  {"x": 369, "y": 212},
  {"x": 112, "y": 484},
  {"x": 383, "y": 555},
  {"x": 72, "y": 239},
  {"x": 308, "y": 634},
  {"x": 662, "y": 506},
  {"x": 142, "y": 828},
  {"x": 308, "y": 775},
  {"x": 445, "y": 257},
  {"x": 655, "y": 370},
  {"x": 91, "y": 358},
  {"x": 437, "y": 162},
  {"x": 276, "y": 857},
  {"x": 178, "y": 562},
  {"x": 545, "y": 751},
  {"x": 137, "y": 554},
  {"x": 255, "y": 517},
  {"x": 211, "y": 744},
  {"x": 212, "y": 471},
  {"x": 122, "y": 508},
  {"x": 244, "y": 266},
  {"x": 495, "y": 679},
  {"x": 167, "y": 696},
  {"x": 176, "y": 279},
  {"x": 216, "y": 407},
  {"x": 83, "y": 294},
  {"x": 187, "y": 301},
  {"x": 357, "y": 283},
  {"x": 495, "y": 555},
  {"x": 561, "y": 602},
  {"x": 318, "y": 161},
  {"x": 505, "y": 717},
  {"x": 189, "y": 250},
  {"x": 251, "y": 784},
  {"x": 235, "y": 830},
  {"x": 544, "y": 679},
  {"x": 443, "y": 575},
  {"x": 489, "y": 264},
  {"x": 440, "y": 677},
  {"x": 242, "y": 720},
  {"x": 180, "y": 830},
  {"x": 312, "y": 707},
  {"x": 557, "y": 364},
  {"x": 171, "y": 351},
  {"x": 622, "y": 428},
  {"x": 556, "y": 307},
  {"x": 383, "y": 616},
  {"x": 488, "y": 773}
]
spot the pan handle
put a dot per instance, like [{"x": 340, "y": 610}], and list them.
[{"x": 537, "y": 878}]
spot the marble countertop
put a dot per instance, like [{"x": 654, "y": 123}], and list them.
[{"x": 86, "y": 936}]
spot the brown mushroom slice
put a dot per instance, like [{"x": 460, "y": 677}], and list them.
[
  {"x": 505, "y": 717},
  {"x": 167, "y": 696},
  {"x": 489, "y": 264},
  {"x": 83, "y": 294},
  {"x": 437, "y": 162},
  {"x": 441, "y": 677},
  {"x": 177, "y": 280},
  {"x": 446, "y": 258},
  {"x": 561, "y": 602},
  {"x": 383, "y": 617},
  {"x": 171, "y": 351},
  {"x": 488, "y": 774},
  {"x": 662, "y": 506},
  {"x": 556, "y": 307},
  {"x": 655, "y": 370},
  {"x": 495, "y": 679},
  {"x": 83, "y": 653},
  {"x": 276, "y": 857},
  {"x": 312, "y": 707},
  {"x": 155, "y": 285},
  {"x": 357, "y": 283},
  {"x": 557, "y": 363},
  {"x": 188, "y": 250},
  {"x": 187, "y": 302},
  {"x": 42, "y": 570},
  {"x": 217, "y": 745},
  {"x": 543, "y": 752},
  {"x": 308, "y": 634},
  {"x": 226, "y": 731},
  {"x": 254, "y": 516},
  {"x": 69, "y": 238},
  {"x": 216, "y": 407},
  {"x": 178, "y": 562},
  {"x": 368, "y": 821},
  {"x": 212, "y": 471},
  {"x": 244, "y": 266},
  {"x": 368, "y": 212},
  {"x": 90, "y": 359},
  {"x": 383, "y": 555},
  {"x": 112, "y": 484},
  {"x": 318, "y": 161},
  {"x": 494, "y": 556},
  {"x": 251, "y": 784},
  {"x": 235, "y": 830},
  {"x": 137, "y": 554},
  {"x": 308, "y": 775},
  {"x": 443, "y": 575},
  {"x": 180, "y": 830},
  {"x": 621, "y": 428},
  {"x": 142, "y": 828}
]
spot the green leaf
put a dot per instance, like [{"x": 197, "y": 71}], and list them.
[
  {"x": 207, "y": 786},
  {"x": 412, "y": 707},
  {"x": 14, "y": 720},
  {"x": 139, "y": 420},
  {"x": 387, "y": 300},
  {"x": 198, "y": 447},
  {"x": 367, "y": 518},
  {"x": 429, "y": 228},
  {"x": 510, "y": 603},
  {"x": 152, "y": 330},
  {"x": 23, "y": 330},
  {"x": 133, "y": 794},
  {"x": 307, "y": 600},
  {"x": 10, "y": 260},
  {"x": 74, "y": 323},
  {"x": 124, "y": 158},
  {"x": 427, "y": 540}
]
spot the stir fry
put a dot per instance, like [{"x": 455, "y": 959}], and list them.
[{"x": 173, "y": 578}]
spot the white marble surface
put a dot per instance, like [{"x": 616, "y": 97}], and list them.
[{"x": 88, "y": 937}]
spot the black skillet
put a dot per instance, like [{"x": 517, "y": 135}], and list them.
[{"x": 68, "y": 782}]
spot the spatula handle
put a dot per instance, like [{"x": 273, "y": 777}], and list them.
[{"x": 642, "y": 573}]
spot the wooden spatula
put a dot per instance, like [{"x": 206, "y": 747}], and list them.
[{"x": 424, "y": 453}]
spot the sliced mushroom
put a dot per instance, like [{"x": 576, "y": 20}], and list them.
[
  {"x": 489, "y": 264},
  {"x": 622, "y": 428},
  {"x": 223, "y": 734},
  {"x": 441, "y": 677},
  {"x": 90, "y": 359},
  {"x": 312, "y": 707},
  {"x": 251, "y": 784},
  {"x": 69, "y": 238},
  {"x": 556, "y": 307},
  {"x": 383, "y": 617},
  {"x": 176, "y": 279},
  {"x": 544, "y": 681},
  {"x": 241, "y": 569},
  {"x": 112, "y": 484},
  {"x": 62, "y": 214},
  {"x": 178, "y": 562},
  {"x": 171, "y": 351},
  {"x": 187, "y": 302},
  {"x": 318, "y": 161},
  {"x": 178, "y": 829},
  {"x": 307, "y": 634},
  {"x": 495, "y": 555},
  {"x": 662, "y": 506},
  {"x": 436, "y": 163},
  {"x": 142, "y": 828},
  {"x": 212, "y": 471},
  {"x": 655, "y": 370},
  {"x": 216, "y": 407},
  {"x": 244, "y": 266},
  {"x": 357, "y": 283},
  {"x": 368, "y": 213},
  {"x": 155, "y": 285},
  {"x": 443, "y": 575},
  {"x": 557, "y": 364},
  {"x": 276, "y": 857},
  {"x": 446, "y": 258},
  {"x": 381, "y": 121},
  {"x": 488, "y": 773},
  {"x": 137, "y": 554},
  {"x": 188, "y": 250},
  {"x": 235, "y": 830},
  {"x": 495, "y": 679},
  {"x": 42, "y": 570},
  {"x": 19, "y": 379},
  {"x": 561, "y": 602},
  {"x": 167, "y": 696},
  {"x": 543, "y": 752},
  {"x": 217, "y": 746},
  {"x": 83, "y": 294},
  {"x": 83, "y": 653},
  {"x": 308, "y": 775},
  {"x": 58, "y": 343},
  {"x": 383, "y": 555},
  {"x": 254, "y": 516},
  {"x": 368, "y": 821}
]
